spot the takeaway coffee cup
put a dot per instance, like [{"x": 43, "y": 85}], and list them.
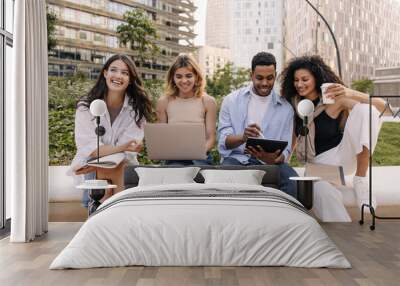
[{"x": 326, "y": 100}]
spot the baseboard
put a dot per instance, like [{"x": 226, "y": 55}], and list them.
[
  {"x": 67, "y": 212},
  {"x": 75, "y": 212}
]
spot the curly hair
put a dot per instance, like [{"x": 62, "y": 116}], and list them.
[
  {"x": 184, "y": 61},
  {"x": 321, "y": 72},
  {"x": 139, "y": 100}
]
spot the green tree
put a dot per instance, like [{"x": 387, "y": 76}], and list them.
[
  {"x": 140, "y": 33},
  {"x": 51, "y": 28},
  {"x": 364, "y": 85},
  {"x": 226, "y": 79},
  {"x": 155, "y": 88}
]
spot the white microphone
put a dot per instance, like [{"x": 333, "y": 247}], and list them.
[
  {"x": 305, "y": 108},
  {"x": 98, "y": 107}
]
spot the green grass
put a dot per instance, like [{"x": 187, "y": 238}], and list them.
[{"x": 387, "y": 151}]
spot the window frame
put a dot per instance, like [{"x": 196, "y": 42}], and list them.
[{"x": 6, "y": 39}]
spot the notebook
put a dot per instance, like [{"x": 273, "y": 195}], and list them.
[{"x": 330, "y": 173}]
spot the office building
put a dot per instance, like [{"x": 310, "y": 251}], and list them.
[
  {"x": 246, "y": 28},
  {"x": 367, "y": 34}
]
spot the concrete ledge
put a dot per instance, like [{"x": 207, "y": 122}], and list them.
[
  {"x": 61, "y": 186},
  {"x": 386, "y": 186}
]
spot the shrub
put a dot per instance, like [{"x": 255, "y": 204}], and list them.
[
  {"x": 64, "y": 92},
  {"x": 63, "y": 95}
]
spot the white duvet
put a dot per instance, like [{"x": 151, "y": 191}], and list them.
[{"x": 183, "y": 231}]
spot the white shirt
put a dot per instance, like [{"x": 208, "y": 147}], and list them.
[
  {"x": 257, "y": 108},
  {"x": 122, "y": 130}
]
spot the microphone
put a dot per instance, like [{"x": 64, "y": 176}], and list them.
[
  {"x": 98, "y": 108},
  {"x": 305, "y": 110}
]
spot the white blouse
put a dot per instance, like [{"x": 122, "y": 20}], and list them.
[{"x": 122, "y": 130}]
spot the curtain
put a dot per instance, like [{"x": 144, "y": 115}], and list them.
[{"x": 28, "y": 150}]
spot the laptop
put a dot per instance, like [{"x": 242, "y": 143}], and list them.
[{"x": 175, "y": 141}]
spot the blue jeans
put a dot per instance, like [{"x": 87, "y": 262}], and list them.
[
  {"x": 85, "y": 195},
  {"x": 207, "y": 161},
  {"x": 285, "y": 171}
]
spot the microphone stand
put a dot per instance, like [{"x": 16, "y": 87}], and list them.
[
  {"x": 97, "y": 194},
  {"x": 98, "y": 141},
  {"x": 305, "y": 192},
  {"x": 305, "y": 128}
]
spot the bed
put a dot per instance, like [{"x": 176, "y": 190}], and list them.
[{"x": 201, "y": 224}]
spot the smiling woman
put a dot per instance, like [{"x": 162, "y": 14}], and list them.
[
  {"x": 128, "y": 108},
  {"x": 337, "y": 142},
  {"x": 186, "y": 102}
]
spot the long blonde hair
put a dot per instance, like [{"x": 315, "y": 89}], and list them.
[{"x": 184, "y": 61}]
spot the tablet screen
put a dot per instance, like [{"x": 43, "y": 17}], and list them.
[{"x": 267, "y": 145}]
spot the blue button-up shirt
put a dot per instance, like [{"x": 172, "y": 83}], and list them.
[{"x": 277, "y": 123}]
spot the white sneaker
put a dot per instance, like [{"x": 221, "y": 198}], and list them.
[{"x": 360, "y": 185}]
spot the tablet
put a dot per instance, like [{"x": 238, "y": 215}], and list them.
[{"x": 267, "y": 145}]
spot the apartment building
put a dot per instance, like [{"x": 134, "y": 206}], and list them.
[
  {"x": 86, "y": 34},
  {"x": 211, "y": 59},
  {"x": 367, "y": 33}
]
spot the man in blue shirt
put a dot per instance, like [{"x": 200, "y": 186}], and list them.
[{"x": 257, "y": 110}]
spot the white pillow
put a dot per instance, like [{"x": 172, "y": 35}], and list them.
[
  {"x": 248, "y": 177},
  {"x": 166, "y": 176}
]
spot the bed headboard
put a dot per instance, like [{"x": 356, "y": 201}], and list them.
[{"x": 270, "y": 179}]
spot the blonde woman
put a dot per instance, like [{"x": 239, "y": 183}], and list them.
[{"x": 185, "y": 101}]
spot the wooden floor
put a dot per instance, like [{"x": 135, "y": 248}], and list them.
[{"x": 374, "y": 255}]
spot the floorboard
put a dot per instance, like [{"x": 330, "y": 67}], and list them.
[{"x": 374, "y": 255}]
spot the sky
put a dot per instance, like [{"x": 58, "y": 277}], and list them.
[{"x": 200, "y": 17}]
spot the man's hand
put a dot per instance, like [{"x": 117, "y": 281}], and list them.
[
  {"x": 269, "y": 158},
  {"x": 253, "y": 130}
]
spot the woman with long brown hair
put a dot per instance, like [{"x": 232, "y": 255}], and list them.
[{"x": 128, "y": 108}]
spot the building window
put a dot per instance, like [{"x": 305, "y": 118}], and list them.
[
  {"x": 98, "y": 37},
  {"x": 270, "y": 46},
  {"x": 83, "y": 35}
]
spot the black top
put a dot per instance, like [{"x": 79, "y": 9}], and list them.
[{"x": 327, "y": 132}]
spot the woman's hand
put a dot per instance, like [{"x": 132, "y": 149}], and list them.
[
  {"x": 338, "y": 91},
  {"x": 85, "y": 170},
  {"x": 133, "y": 146}
]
